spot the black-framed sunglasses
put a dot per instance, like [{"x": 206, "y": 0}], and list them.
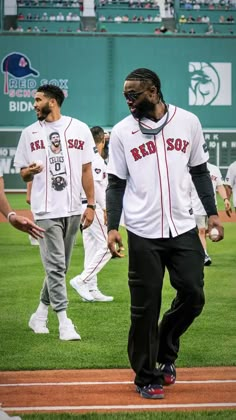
[{"x": 132, "y": 96}]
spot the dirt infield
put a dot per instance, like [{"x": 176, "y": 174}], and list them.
[
  {"x": 113, "y": 390},
  {"x": 224, "y": 218}
]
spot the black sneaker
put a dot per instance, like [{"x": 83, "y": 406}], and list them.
[
  {"x": 169, "y": 371},
  {"x": 151, "y": 391}
]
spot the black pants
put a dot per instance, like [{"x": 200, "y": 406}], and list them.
[{"x": 149, "y": 343}]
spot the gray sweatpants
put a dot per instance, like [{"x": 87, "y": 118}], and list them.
[{"x": 56, "y": 249}]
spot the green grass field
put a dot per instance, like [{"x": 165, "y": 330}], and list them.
[
  {"x": 193, "y": 415},
  {"x": 211, "y": 341}
]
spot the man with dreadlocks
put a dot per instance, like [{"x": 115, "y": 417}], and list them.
[{"x": 153, "y": 154}]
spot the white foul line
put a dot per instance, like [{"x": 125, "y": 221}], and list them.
[
  {"x": 119, "y": 407},
  {"x": 207, "y": 381}
]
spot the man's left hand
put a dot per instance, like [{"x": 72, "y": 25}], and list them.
[
  {"x": 87, "y": 218},
  {"x": 214, "y": 222}
]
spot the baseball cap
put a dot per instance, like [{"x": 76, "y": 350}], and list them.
[{"x": 18, "y": 65}]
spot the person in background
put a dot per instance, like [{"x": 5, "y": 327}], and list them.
[
  {"x": 199, "y": 211},
  {"x": 96, "y": 251},
  {"x": 105, "y": 150},
  {"x": 230, "y": 183},
  {"x": 153, "y": 155},
  {"x": 19, "y": 222},
  {"x": 55, "y": 153}
]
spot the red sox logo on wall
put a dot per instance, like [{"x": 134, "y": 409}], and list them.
[
  {"x": 16, "y": 67},
  {"x": 21, "y": 81}
]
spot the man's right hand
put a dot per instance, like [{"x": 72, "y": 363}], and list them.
[
  {"x": 33, "y": 169},
  {"x": 228, "y": 208},
  {"x": 115, "y": 243}
]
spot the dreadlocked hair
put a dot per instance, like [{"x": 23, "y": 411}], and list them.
[{"x": 146, "y": 75}]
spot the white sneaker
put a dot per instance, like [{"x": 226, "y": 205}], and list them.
[
  {"x": 99, "y": 297},
  {"x": 207, "y": 260},
  {"x": 38, "y": 324},
  {"x": 67, "y": 331},
  {"x": 81, "y": 288}
]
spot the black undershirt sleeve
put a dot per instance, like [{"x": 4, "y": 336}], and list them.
[
  {"x": 114, "y": 201},
  {"x": 203, "y": 184}
]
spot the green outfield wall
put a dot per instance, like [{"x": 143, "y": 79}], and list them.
[{"x": 197, "y": 73}]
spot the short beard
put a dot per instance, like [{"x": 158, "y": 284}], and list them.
[
  {"x": 144, "y": 109},
  {"x": 56, "y": 143},
  {"x": 44, "y": 112}
]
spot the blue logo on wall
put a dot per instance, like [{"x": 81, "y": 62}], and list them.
[{"x": 17, "y": 65}]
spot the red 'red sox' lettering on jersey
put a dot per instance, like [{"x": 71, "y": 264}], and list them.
[
  {"x": 177, "y": 144},
  {"x": 37, "y": 145},
  {"x": 73, "y": 143},
  {"x": 143, "y": 150},
  {"x": 149, "y": 148},
  {"x": 76, "y": 144}
]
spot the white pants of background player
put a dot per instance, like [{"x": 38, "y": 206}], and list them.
[{"x": 96, "y": 252}]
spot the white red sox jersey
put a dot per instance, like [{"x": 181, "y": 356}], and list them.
[
  {"x": 97, "y": 253},
  {"x": 217, "y": 180},
  {"x": 63, "y": 146},
  {"x": 231, "y": 180},
  {"x": 99, "y": 169},
  {"x": 157, "y": 195}
]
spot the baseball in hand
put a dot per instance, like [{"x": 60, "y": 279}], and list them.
[
  {"x": 38, "y": 162},
  {"x": 214, "y": 233}
]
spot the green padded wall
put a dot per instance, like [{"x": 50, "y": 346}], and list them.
[{"x": 197, "y": 73}]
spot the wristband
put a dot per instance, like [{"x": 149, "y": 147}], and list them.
[
  {"x": 91, "y": 206},
  {"x": 12, "y": 213},
  {"x": 225, "y": 198}
]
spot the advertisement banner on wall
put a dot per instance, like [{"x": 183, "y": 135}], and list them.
[
  {"x": 25, "y": 64},
  {"x": 20, "y": 81},
  {"x": 210, "y": 84}
]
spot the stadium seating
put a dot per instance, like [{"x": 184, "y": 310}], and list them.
[
  {"x": 210, "y": 17},
  {"x": 48, "y": 16},
  {"x": 127, "y": 16}
]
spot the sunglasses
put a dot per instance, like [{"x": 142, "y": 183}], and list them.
[
  {"x": 132, "y": 96},
  {"x": 153, "y": 131}
]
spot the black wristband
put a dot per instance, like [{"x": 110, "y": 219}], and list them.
[{"x": 91, "y": 206}]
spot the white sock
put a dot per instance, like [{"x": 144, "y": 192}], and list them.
[
  {"x": 42, "y": 310},
  {"x": 62, "y": 317}
]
